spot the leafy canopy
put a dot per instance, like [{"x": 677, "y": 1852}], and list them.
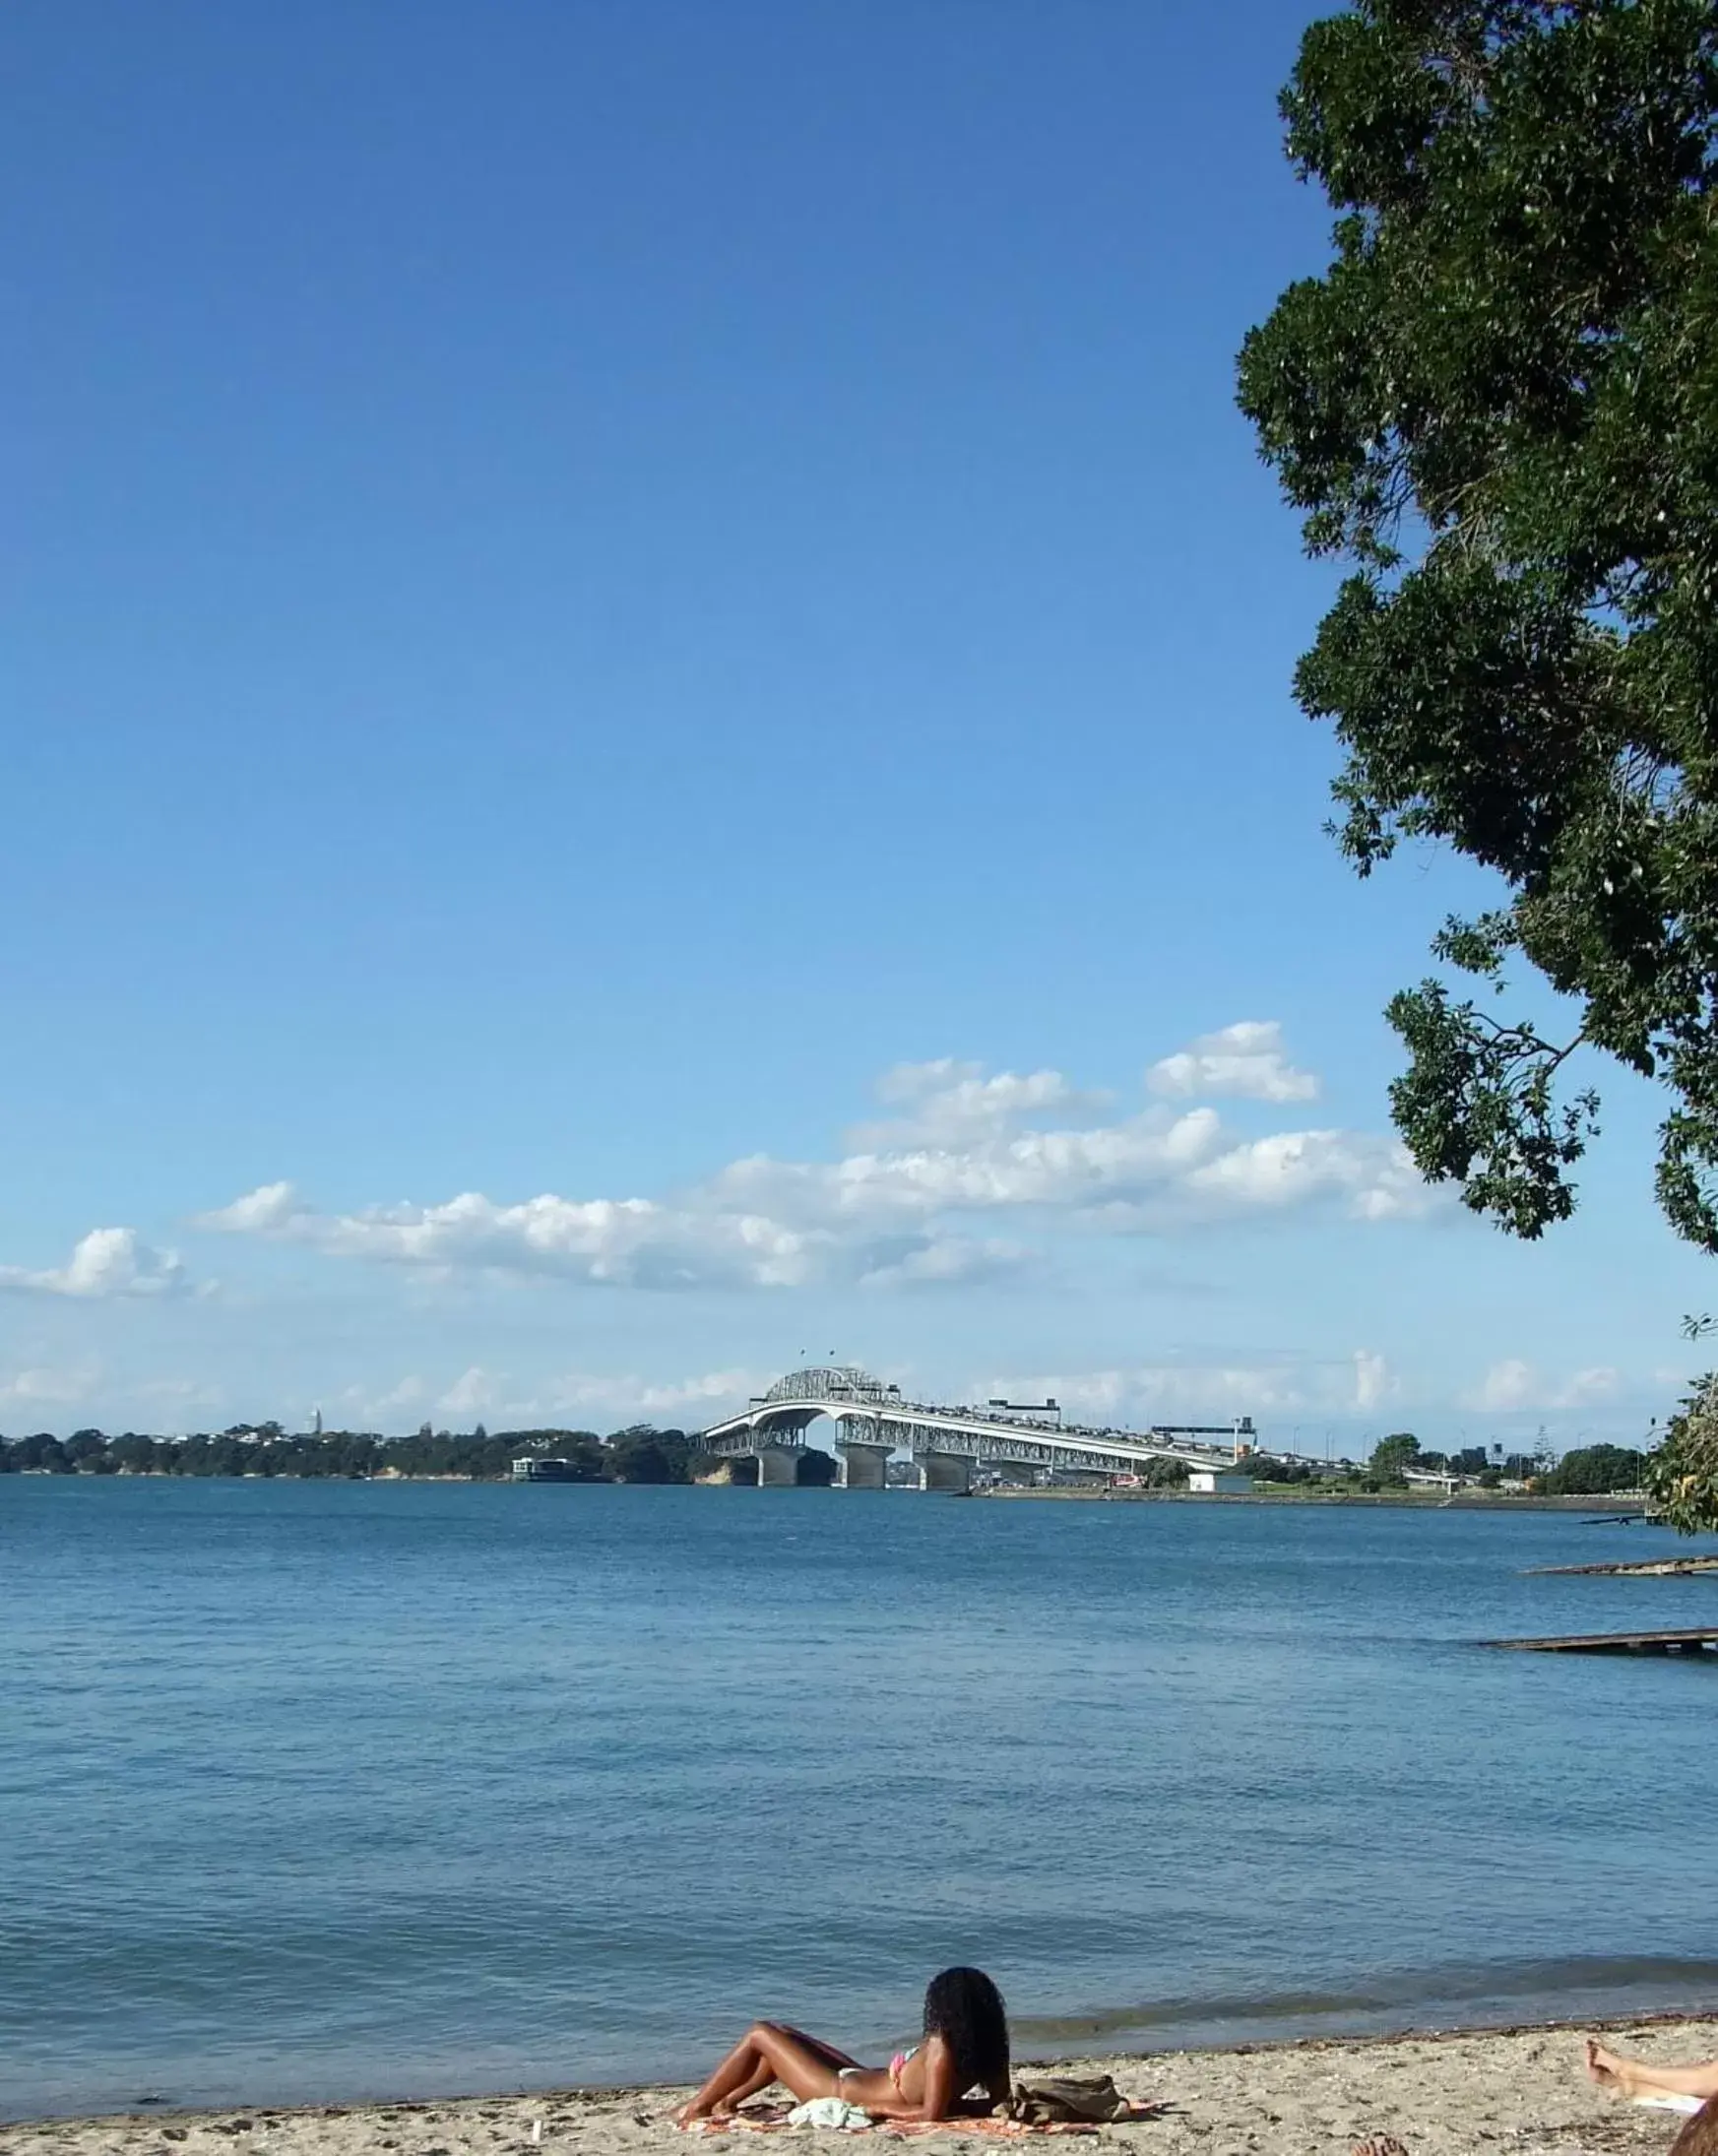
[
  {"x": 1392, "y": 1454},
  {"x": 1680, "y": 1475},
  {"x": 1500, "y": 404},
  {"x": 1595, "y": 1470}
]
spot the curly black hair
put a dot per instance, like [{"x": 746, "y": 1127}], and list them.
[{"x": 965, "y": 2008}]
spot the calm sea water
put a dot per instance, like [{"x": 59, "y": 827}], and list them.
[{"x": 313, "y": 1791}]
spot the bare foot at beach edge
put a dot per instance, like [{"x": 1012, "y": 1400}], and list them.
[
  {"x": 1608, "y": 2070},
  {"x": 693, "y": 2115}
]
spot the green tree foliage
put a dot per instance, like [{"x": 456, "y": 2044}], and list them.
[
  {"x": 1500, "y": 404},
  {"x": 639, "y": 1454},
  {"x": 133, "y": 1455},
  {"x": 482, "y": 1458},
  {"x": 642, "y": 1453},
  {"x": 1592, "y": 1470},
  {"x": 1680, "y": 1475},
  {"x": 1263, "y": 1468},
  {"x": 1390, "y": 1455},
  {"x": 41, "y": 1453}
]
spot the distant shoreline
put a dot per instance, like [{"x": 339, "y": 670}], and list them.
[
  {"x": 1299, "y": 1494},
  {"x": 1270, "y": 1494}
]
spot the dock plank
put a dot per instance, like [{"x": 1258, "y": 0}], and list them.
[
  {"x": 1636, "y": 1568},
  {"x": 1691, "y": 1641}
]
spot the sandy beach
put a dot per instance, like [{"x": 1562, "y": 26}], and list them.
[{"x": 1519, "y": 2089}]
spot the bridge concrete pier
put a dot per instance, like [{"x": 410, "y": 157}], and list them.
[
  {"x": 863, "y": 1467},
  {"x": 943, "y": 1470},
  {"x": 778, "y": 1467}
]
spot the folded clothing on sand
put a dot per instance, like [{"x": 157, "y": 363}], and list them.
[
  {"x": 1067, "y": 2099},
  {"x": 831, "y": 2111}
]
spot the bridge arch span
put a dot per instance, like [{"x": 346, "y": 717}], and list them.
[
  {"x": 831, "y": 1381},
  {"x": 874, "y": 1419}
]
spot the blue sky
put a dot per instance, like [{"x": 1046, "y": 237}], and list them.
[{"x": 650, "y": 731}]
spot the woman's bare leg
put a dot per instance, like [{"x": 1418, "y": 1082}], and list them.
[
  {"x": 731, "y": 2102},
  {"x": 765, "y": 2072},
  {"x": 768, "y": 2052},
  {"x": 1646, "y": 2077}
]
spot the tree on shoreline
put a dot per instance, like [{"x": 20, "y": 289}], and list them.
[
  {"x": 1392, "y": 1455},
  {"x": 638, "y": 1454},
  {"x": 1682, "y": 1471},
  {"x": 1594, "y": 1471},
  {"x": 1500, "y": 404}
]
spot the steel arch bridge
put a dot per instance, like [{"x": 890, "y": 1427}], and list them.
[{"x": 874, "y": 1419}]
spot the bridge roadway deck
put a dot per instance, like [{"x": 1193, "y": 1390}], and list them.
[{"x": 963, "y": 1432}]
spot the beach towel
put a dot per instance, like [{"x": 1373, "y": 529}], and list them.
[
  {"x": 895, "y": 2128},
  {"x": 1686, "y": 2105},
  {"x": 774, "y": 2119},
  {"x": 831, "y": 2111}
]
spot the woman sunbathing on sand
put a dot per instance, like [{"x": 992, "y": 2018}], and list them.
[
  {"x": 965, "y": 2046},
  {"x": 1637, "y": 2078}
]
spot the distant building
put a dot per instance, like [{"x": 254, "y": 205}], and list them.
[
  {"x": 531, "y": 1467},
  {"x": 1217, "y": 1482}
]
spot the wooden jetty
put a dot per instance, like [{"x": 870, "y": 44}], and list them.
[
  {"x": 1640, "y": 1568},
  {"x": 1616, "y": 1643}
]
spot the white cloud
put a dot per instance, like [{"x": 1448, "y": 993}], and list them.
[
  {"x": 177, "y": 1392},
  {"x": 1158, "y": 1168},
  {"x": 473, "y": 1393},
  {"x": 627, "y": 1241},
  {"x": 107, "y": 1262},
  {"x": 945, "y": 1102},
  {"x": 1373, "y": 1382},
  {"x": 1514, "y": 1386},
  {"x": 410, "y": 1392},
  {"x": 1589, "y": 1386},
  {"x": 1197, "y": 1391},
  {"x": 1361, "y": 1395},
  {"x": 1242, "y": 1061},
  {"x": 573, "y": 1398},
  {"x": 1375, "y": 1174},
  {"x": 1505, "y": 1386},
  {"x": 899, "y": 1210},
  {"x": 266, "y": 1210},
  {"x": 47, "y": 1388},
  {"x": 947, "y": 1260},
  {"x": 493, "y": 1396},
  {"x": 703, "y": 1399}
]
